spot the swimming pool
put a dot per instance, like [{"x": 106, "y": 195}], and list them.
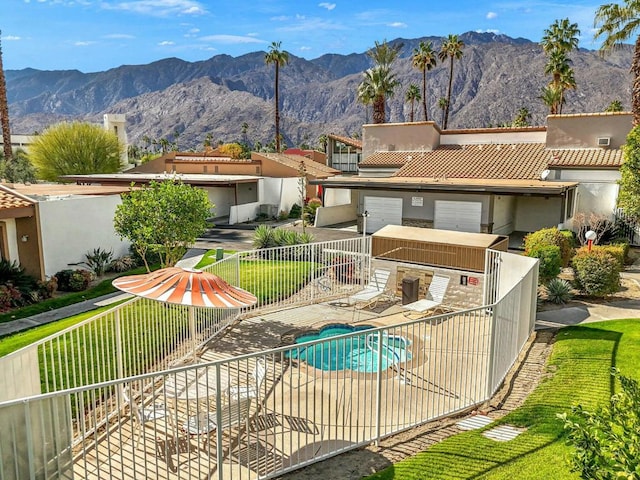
[{"x": 358, "y": 353}]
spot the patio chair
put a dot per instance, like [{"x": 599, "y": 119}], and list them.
[
  {"x": 238, "y": 392},
  {"x": 144, "y": 415},
  {"x": 234, "y": 413},
  {"x": 374, "y": 291},
  {"x": 435, "y": 295}
]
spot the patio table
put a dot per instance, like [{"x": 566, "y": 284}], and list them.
[{"x": 193, "y": 385}]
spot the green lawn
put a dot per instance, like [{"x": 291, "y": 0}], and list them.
[{"x": 580, "y": 373}]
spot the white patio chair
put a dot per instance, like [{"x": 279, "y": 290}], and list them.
[
  {"x": 237, "y": 392},
  {"x": 235, "y": 413},
  {"x": 373, "y": 291},
  {"x": 144, "y": 415},
  {"x": 435, "y": 295}
]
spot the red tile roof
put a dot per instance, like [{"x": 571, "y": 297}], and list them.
[
  {"x": 354, "y": 142},
  {"x": 293, "y": 161},
  {"x": 518, "y": 161},
  {"x": 10, "y": 199},
  {"x": 587, "y": 158}
]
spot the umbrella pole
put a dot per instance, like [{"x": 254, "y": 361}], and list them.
[{"x": 192, "y": 328}]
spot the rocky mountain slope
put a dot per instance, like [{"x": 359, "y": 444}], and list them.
[{"x": 495, "y": 78}]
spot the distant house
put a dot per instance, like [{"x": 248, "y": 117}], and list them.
[
  {"x": 494, "y": 180},
  {"x": 343, "y": 153},
  {"x": 47, "y": 228},
  {"x": 240, "y": 189}
]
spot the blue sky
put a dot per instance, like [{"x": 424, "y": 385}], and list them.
[{"x": 95, "y": 35}]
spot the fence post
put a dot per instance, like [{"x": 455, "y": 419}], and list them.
[
  {"x": 219, "y": 456},
  {"x": 378, "y": 386},
  {"x": 119, "y": 361}
]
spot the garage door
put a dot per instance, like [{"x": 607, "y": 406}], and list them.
[
  {"x": 382, "y": 211},
  {"x": 458, "y": 216}
]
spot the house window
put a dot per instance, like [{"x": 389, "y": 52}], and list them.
[
  {"x": 204, "y": 169},
  {"x": 215, "y": 168},
  {"x": 571, "y": 194}
]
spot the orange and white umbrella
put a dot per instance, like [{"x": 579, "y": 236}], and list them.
[{"x": 184, "y": 286}]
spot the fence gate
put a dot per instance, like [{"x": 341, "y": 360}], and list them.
[{"x": 627, "y": 226}]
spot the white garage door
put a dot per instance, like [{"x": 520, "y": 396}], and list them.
[
  {"x": 458, "y": 216},
  {"x": 382, "y": 211}
]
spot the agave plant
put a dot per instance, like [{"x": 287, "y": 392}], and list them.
[
  {"x": 263, "y": 237},
  {"x": 559, "y": 291}
]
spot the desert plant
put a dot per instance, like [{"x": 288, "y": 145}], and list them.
[
  {"x": 546, "y": 237},
  {"x": 559, "y": 291},
  {"x": 10, "y": 297},
  {"x": 122, "y": 264},
  {"x": 550, "y": 261},
  {"x": 98, "y": 260},
  {"x": 310, "y": 210},
  {"x": 597, "y": 273},
  {"x": 295, "y": 211},
  {"x": 263, "y": 237}
]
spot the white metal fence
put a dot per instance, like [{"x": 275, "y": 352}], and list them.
[{"x": 316, "y": 399}]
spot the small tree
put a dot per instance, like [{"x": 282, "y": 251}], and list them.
[
  {"x": 163, "y": 217},
  {"x": 75, "y": 148},
  {"x": 607, "y": 440},
  {"x": 233, "y": 150},
  {"x": 19, "y": 169},
  {"x": 629, "y": 196}
]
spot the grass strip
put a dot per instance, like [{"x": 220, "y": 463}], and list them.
[{"x": 578, "y": 372}]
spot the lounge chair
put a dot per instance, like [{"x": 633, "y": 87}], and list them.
[
  {"x": 238, "y": 392},
  {"x": 374, "y": 291},
  {"x": 435, "y": 295}
]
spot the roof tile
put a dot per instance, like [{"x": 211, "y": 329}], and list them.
[
  {"x": 10, "y": 200},
  {"x": 354, "y": 142}
]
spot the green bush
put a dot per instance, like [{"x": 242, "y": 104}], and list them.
[
  {"x": 98, "y": 260},
  {"x": 550, "y": 261},
  {"x": 263, "y": 237},
  {"x": 617, "y": 251},
  {"x": 73, "y": 280},
  {"x": 570, "y": 236},
  {"x": 295, "y": 211},
  {"x": 597, "y": 273},
  {"x": 122, "y": 264},
  {"x": 559, "y": 291},
  {"x": 549, "y": 237}
]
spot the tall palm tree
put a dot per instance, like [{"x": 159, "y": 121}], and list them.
[
  {"x": 279, "y": 58},
  {"x": 617, "y": 23},
  {"x": 412, "y": 95},
  {"x": 452, "y": 49},
  {"x": 366, "y": 95},
  {"x": 551, "y": 96},
  {"x": 4, "y": 112},
  {"x": 557, "y": 42},
  {"x": 424, "y": 59},
  {"x": 378, "y": 84},
  {"x": 442, "y": 105}
]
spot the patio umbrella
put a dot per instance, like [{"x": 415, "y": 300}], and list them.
[{"x": 185, "y": 286}]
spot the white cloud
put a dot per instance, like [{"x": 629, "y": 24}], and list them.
[
  {"x": 491, "y": 15},
  {"x": 157, "y": 8},
  {"x": 397, "y": 25},
  {"x": 495, "y": 31},
  {"x": 11, "y": 38},
  {"x": 83, "y": 43},
  {"x": 305, "y": 49},
  {"x": 231, "y": 39},
  {"x": 252, "y": 34},
  {"x": 166, "y": 43},
  {"x": 327, "y": 5}
]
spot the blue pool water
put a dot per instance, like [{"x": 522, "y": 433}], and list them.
[{"x": 358, "y": 353}]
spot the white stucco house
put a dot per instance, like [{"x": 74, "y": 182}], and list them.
[{"x": 492, "y": 180}]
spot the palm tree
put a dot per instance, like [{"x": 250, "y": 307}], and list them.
[
  {"x": 4, "y": 112},
  {"x": 412, "y": 95},
  {"x": 279, "y": 58},
  {"x": 379, "y": 83},
  {"x": 614, "y": 106},
  {"x": 557, "y": 42},
  {"x": 424, "y": 59},
  {"x": 551, "y": 96},
  {"x": 522, "y": 118},
  {"x": 366, "y": 96},
  {"x": 618, "y": 23},
  {"x": 452, "y": 49},
  {"x": 442, "y": 105}
]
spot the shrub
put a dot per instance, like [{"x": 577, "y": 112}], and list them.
[
  {"x": 12, "y": 273},
  {"x": 310, "y": 210},
  {"x": 547, "y": 237},
  {"x": 10, "y": 297},
  {"x": 295, "y": 211},
  {"x": 570, "y": 236},
  {"x": 607, "y": 439},
  {"x": 73, "y": 280},
  {"x": 559, "y": 291},
  {"x": 98, "y": 260},
  {"x": 122, "y": 264},
  {"x": 616, "y": 251},
  {"x": 263, "y": 237},
  {"x": 550, "y": 261},
  {"x": 597, "y": 273}
]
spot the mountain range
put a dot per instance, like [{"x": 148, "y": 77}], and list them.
[{"x": 496, "y": 76}]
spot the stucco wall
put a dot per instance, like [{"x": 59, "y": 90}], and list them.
[
  {"x": 338, "y": 196},
  {"x": 222, "y": 199},
  {"x": 504, "y": 212},
  {"x": 399, "y": 137},
  {"x": 598, "y": 198},
  {"x": 534, "y": 213},
  {"x": 71, "y": 227},
  {"x": 582, "y": 131},
  {"x": 492, "y": 137}
]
